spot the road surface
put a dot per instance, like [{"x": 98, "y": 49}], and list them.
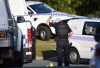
[{"x": 46, "y": 63}]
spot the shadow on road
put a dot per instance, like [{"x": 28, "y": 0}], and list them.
[{"x": 49, "y": 55}]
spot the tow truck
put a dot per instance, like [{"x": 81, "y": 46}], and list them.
[{"x": 15, "y": 33}]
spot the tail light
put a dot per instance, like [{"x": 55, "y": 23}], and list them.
[
  {"x": 29, "y": 39},
  {"x": 30, "y": 43},
  {"x": 3, "y": 35},
  {"x": 29, "y": 33}
]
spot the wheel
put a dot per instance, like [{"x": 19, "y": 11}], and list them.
[
  {"x": 18, "y": 63},
  {"x": 44, "y": 33},
  {"x": 74, "y": 56},
  {"x": 18, "y": 56}
]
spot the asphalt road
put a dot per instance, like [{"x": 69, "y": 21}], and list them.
[{"x": 47, "y": 63}]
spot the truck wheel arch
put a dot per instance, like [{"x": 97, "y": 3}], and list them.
[{"x": 47, "y": 29}]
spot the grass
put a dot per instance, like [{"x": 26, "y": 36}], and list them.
[{"x": 44, "y": 47}]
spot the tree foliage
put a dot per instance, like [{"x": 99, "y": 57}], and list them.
[{"x": 79, "y": 7}]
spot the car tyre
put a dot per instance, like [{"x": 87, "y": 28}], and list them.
[
  {"x": 44, "y": 33},
  {"x": 19, "y": 55},
  {"x": 74, "y": 56}
]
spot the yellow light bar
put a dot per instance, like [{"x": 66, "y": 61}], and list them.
[{"x": 2, "y": 34}]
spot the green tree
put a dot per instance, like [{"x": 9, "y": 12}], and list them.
[
  {"x": 79, "y": 7},
  {"x": 89, "y": 8}
]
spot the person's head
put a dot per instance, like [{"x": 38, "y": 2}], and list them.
[{"x": 57, "y": 20}]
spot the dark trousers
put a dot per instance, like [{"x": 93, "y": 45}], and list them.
[{"x": 63, "y": 51}]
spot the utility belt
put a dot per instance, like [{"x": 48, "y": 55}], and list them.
[
  {"x": 62, "y": 42},
  {"x": 62, "y": 37}
]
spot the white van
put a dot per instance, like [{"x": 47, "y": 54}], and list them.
[{"x": 84, "y": 38}]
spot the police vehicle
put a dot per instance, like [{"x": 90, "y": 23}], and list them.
[
  {"x": 84, "y": 39},
  {"x": 41, "y": 12},
  {"x": 24, "y": 23}
]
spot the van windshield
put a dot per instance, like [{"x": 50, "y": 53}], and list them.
[{"x": 41, "y": 8}]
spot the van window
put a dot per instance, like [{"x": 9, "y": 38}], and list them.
[{"x": 91, "y": 28}]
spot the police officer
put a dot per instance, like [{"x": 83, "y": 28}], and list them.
[{"x": 62, "y": 44}]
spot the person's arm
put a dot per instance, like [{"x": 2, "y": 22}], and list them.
[
  {"x": 70, "y": 32},
  {"x": 48, "y": 20}
]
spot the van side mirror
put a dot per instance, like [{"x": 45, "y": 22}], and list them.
[
  {"x": 29, "y": 12},
  {"x": 20, "y": 19}
]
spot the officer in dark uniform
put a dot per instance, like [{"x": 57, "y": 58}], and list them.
[{"x": 63, "y": 31}]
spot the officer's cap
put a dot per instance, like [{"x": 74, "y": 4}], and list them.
[{"x": 57, "y": 20}]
